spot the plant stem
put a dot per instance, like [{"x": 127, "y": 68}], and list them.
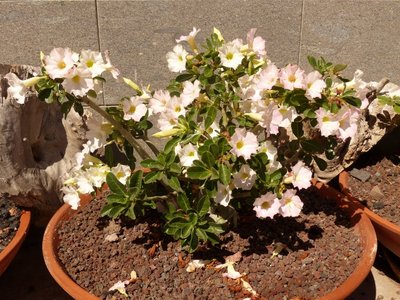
[{"x": 125, "y": 133}]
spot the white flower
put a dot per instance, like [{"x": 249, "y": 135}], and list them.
[
  {"x": 187, "y": 154},
  {"x": 177, "y": 59},
  {"x": 245, "y": 178},
  {"x": 268, "y": 77},
  {"x": 243, "y": 143},
  {"x": 78, "y": 81},
  {"x": 190, "y": 92},
  {"x": 195, "y": 264},
  {"x": 59, "y": 62},
  {"x": 133, "y": 108},
  {"x": 18, "y": 88},
  {"x": 224, "y": 194},
  {"x": 230, "y": 54},
  {"x": 268, "y": 149},
  {"x": 283, "y": 116},
  {"x": 291, "y": 204},
  {"x": 167, "y": 120},
  {"x": 93, "y": 61},
  {"x": 348, "y": 118},
  {"x": 98, "y": 132},
  {"x": 97, "y": 175},
  {"x": 301, "y": 176},
  {"x": 120, "y": 287},
  {"x": 71, "y": 196},
  {"x": 122, "y": 172},
  {"x": 292, "y": 77},
  {"x": 159, "y": 101},
  {"x": 266, "y": 206},
  {"x": 256, "y": 44},
  {"x": 175, "y": 106},
  {"x": 213, "y": 130},
  {"x": 110, "y": 68},
  {"x": 327, "y": 122},
  {"x": 314, "y": 84},
  {"x": 190, "y": 39}
]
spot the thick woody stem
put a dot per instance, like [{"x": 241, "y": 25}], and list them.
[{"x": 125, "y": 133}]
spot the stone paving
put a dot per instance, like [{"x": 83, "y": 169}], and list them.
[{"x": 361, "y": 33}]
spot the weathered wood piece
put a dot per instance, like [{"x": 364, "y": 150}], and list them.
[{"x": 37, "y": 147}]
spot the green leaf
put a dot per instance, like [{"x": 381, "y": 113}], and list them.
[
  {"x": 171, "y": 144},
  {"x": 130, "y": 213},
  {"x": 201, "y": 234},
  {"x": 183, "y": 201},
  {"x": 311, "y": 146},
  {"x": 320, "y": 162},
  {"x": 184, "y": 77},
  {"x": 105, "y": 211},
  {"x": 203, "y": 205},
  {"x": 213, "y": 238},
  {"x": 353, "y": 101},
  {"x": 309, "y": 113},
  {"x": 115, "y": 198},
  {"x": 396, "y": 108},
  {"x": 211, "y": 117},
  {"x": 115, "y": 185},
  {"x": 194, "y": 242},
  {"x": 174, "y": 183},
  {"x": 208, "y": 158},
  {"x": 208, "y": 72},
  {"x": 152, "y": 177},
  {"x": 78, "y": 108},
  {"x": 297, "y": 128},
  {"x": 152, "y": 164},
  {"x": 136, "y": 179},
  {"x": 312, "y": 61},
  {"x": 175, "y": 168},
  {"x": 339, "y": 67},
  {"x": 198, "y": 173},
  {"x": 66, "y": 107},
  {"x": 224, "y": 174},
  {"x": 44, "y": 94}
]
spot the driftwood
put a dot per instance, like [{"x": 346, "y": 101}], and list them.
[
  {"x": 37, "y": 147},
  {"x": 378, "y": 121}
]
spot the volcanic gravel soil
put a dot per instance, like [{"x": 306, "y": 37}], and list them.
[
  {"x": 320, "y": 250},
  {"x": 9, "y": 221},
  {"x": 380, "y": 191}
]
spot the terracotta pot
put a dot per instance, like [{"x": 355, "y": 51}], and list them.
[
  {"x": 362, "y": 223},
  {"x": 387, "y": 232},
  {"x": 9, "y": 252}
]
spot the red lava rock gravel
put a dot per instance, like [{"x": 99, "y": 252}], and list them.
[
  {"x": 320, "y": 251},
  {"x": 9, "y": 221},
  {"x": 380, "y": 191}
]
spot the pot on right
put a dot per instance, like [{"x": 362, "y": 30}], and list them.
[{"x": 388, "y": 232}]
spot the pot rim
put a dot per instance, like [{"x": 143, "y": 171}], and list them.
[
  {"x": 15, "y": 243},
  {"x": 344, "y": 186},
  {"x": 363, "y": 224}
]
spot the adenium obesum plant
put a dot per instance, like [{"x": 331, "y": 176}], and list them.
[{"x": 242, "y": 133}]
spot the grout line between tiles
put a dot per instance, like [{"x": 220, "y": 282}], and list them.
[{"x": 301, "y": 31}]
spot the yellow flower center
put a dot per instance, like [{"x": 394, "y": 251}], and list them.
[
  {"x": 229, "y": 55},
  {"x": 90, "y": 63},
  {"x": 76, "y": 79},
  {"x": 239, "y": 144},
  {"x": 325, "y": 119},
  {"x": 245, "y": 175},
  {"x": 265, "y": 205},
  {"x": 191, "y": 153},
  {"x": 61, "y": 65},
  {"x": 132, "y": 109},
  {"x": 292, "y": 78}
]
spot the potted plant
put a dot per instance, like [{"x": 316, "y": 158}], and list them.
[
  {"x": 242, "y": 140},
  {"x": 14, "y": 227}
]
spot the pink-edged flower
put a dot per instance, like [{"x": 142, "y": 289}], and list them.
[
  {"x": 301, "y": 176},
  {"x": 230, "y": 54},
  {"x": 187, "y": 154},
  {"x": 256, "y": 44},
  {"x": 167, "y": 120},
  {"x": 291, "y": 204},
  {"x": 243, "y": 143},
  {"x": 283, "y": 116},
  {"x": 134, "y": 108},
  {"x": 248, "y": 88},
  {"x": 159, "y": 101},
  {"x": 190, "y": 92},
  {"x": 190, "y": 39},
  {"x": 93, "y": 61},
  {"x": 268, "y": 77},
  {"x": 224, "y": 194},
  {"x": 348, "y": 118},
  {"x": 327, "y": 122},
  {"x": 177, "y": 59},
  {"x": 292, "y": 77},
  {"x": 266, "y": 206},
  {"x": 314, "y": 84},
  {"x": 59, "y": 62},
  {"x": 245, "y": 178},
  {"x": 78, "y": 81}
]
